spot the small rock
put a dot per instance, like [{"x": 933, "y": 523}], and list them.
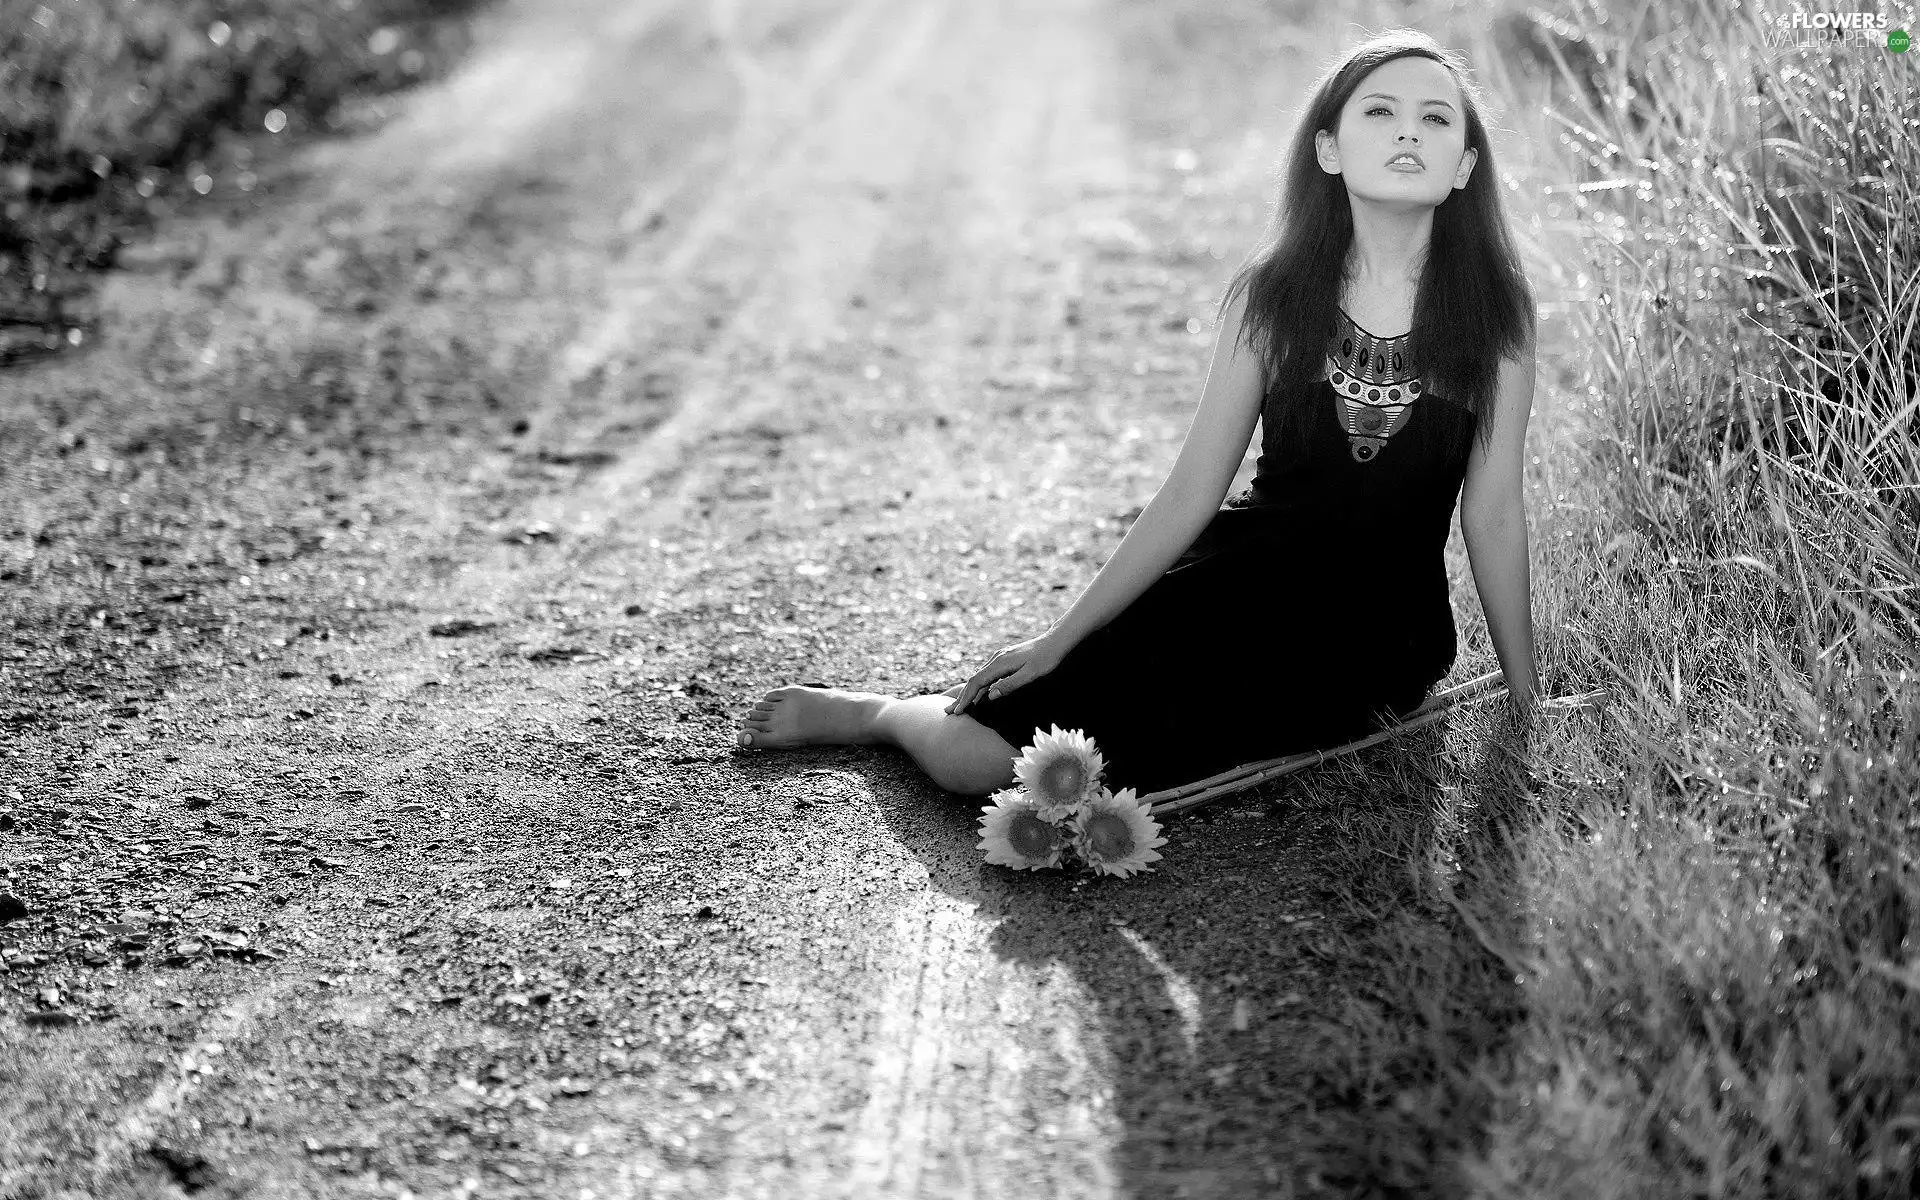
[
  {"x": 12, "y": 908},
  {"x": 563, "y": 654},
  {"x": 460, "y": 627},
  {"x": 197, "y": 800},
  {"x": 189, "y": 1170},
  {"x": 533, "y": 531},
  {"x": 54, "y": 1017}
]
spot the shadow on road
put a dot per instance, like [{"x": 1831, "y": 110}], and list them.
[{"x": 1299, "y": 996}]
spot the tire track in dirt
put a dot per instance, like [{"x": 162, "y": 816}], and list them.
[
  {"x": 455, "y": 161},
  {"x": 949, "y": 1085},
  {"x": 779, "y": 175},
  {"x": 539, "y": 66},
  {"x": 1035, "y": 152},
  {"x": 902, "y": 1047},
  {"x": 137, "y": 1129},
  {"x": 452, "y": 138},
  {"x": 767, "y": 141},
  {"x": 829, "y": 255}
]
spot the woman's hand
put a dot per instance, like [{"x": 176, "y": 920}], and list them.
[{"x": 1014, "y": 667}]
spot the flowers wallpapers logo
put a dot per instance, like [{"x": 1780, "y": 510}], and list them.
[{"x": 1802, "y": 30}]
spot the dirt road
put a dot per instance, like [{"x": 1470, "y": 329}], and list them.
[{"x": 381, "y": 593}]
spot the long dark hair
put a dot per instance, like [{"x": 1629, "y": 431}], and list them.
[{"x": 1473, "y": 305}]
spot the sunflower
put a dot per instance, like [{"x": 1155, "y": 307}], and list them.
[
  {"x": 1014, "y": 834},
  {"x": 1116, "y": 834},
  {"x": 1060, "y": 772}
]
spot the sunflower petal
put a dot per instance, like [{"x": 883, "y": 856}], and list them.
[
  {"x": 1060, "y": 771},
  {"x": 1116, "y": 835},
  {"x": 1013, "y": 834}
]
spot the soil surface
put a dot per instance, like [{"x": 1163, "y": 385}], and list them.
[{"x": 381, "y": 590}]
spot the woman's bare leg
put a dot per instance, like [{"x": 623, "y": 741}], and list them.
[{"x": 957, "y": 752}]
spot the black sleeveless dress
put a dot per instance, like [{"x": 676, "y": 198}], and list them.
[{"x": 1311, "y": 610}]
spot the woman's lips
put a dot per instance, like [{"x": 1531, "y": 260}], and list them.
[{"x": 1403, "y": 164}]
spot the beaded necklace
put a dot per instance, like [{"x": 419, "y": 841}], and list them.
[{"x": 1374, "y": 381}]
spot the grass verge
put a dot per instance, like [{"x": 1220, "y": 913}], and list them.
[{"x": 1691, "y": 965}]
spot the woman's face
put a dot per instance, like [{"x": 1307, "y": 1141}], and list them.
[{"x": 1408, "y": 106}]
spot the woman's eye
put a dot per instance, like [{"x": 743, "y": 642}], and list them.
[{"x": 1381, "y": 108}]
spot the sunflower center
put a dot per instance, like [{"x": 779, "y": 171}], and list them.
[
  {"x": 1110, "y": 836},
  {"x": 1063, "y": 778},
  {"x": 1031, "y": 836}
]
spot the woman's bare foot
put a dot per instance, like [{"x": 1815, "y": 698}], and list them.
[{"x": 811, "y": 716}]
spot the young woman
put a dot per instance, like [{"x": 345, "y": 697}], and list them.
[{"x": 1383, "y": 335}]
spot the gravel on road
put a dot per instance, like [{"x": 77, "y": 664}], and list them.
[{"x": 381, "y": 592}]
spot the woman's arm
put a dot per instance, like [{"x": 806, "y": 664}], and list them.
[
  {"x": 1215, "y": 444},
  {"x": 1493, "y": 520}
]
